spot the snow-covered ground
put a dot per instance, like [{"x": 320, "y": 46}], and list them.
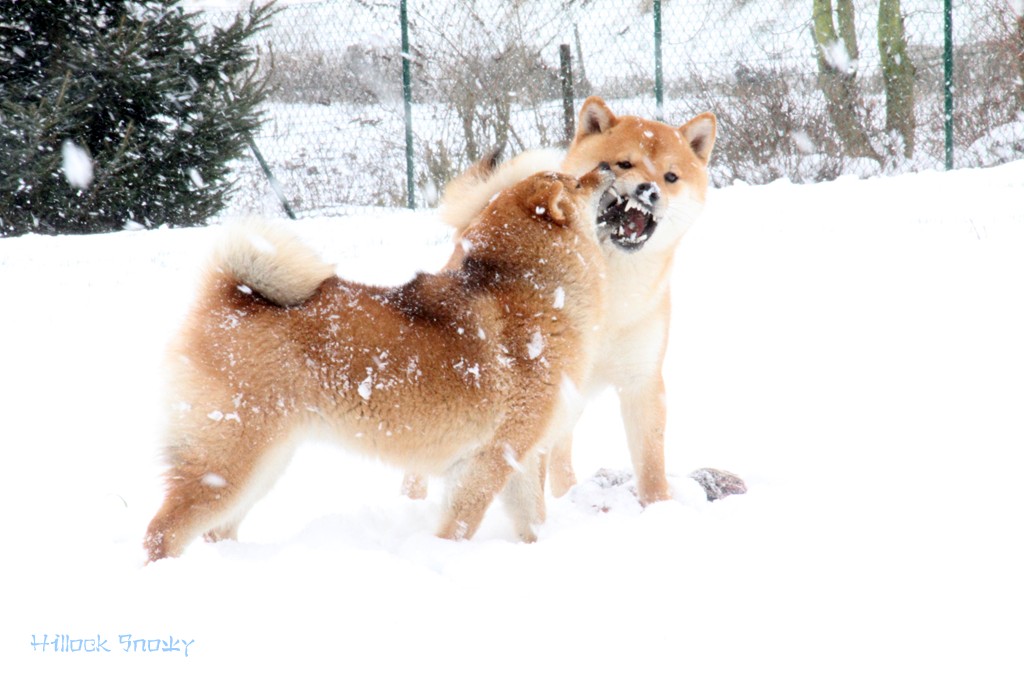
[{"x": 854, "y": 350}]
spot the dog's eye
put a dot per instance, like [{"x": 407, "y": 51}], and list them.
[
  {"x": 671, "y": 177},
  {"x": 624, "y": 165}
]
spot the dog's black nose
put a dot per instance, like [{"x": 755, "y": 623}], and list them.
[{"x": 648, "y": 192}]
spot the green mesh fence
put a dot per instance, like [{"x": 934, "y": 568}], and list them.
[{"x": 486, "y": 75}]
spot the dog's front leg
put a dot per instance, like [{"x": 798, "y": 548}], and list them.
[
  {"x": 643, "y": 414},
  {"x": 524, "y": 496},
  {"x": 478, "y": 480},
  {"x": 559, "y": 467}
]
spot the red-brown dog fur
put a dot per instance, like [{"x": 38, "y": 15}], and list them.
[
  {"x": 459, "y": 373},
  {"x": 650, "y": 159}
]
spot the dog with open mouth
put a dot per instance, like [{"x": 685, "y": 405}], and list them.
[
  {"x": 659, "y": 190},
  {"x": 466, "y": 373}
]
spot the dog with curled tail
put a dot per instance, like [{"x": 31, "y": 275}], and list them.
[{"x": 461, "y": 373}]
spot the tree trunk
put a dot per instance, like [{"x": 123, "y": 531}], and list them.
[
  {"x": 897, "y": 75},
  {"x": 581, "y": 84},
  {"x": 837, "y": 74},
  {"x": 465, "y": 108},
  {"x": 1018, "y": 48},
  {"x": 847, "y": 28}
]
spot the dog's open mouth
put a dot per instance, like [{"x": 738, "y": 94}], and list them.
[{"x": 630, "y": 222}]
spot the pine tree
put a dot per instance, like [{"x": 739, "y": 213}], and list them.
[{"x": 160, "y": 102}]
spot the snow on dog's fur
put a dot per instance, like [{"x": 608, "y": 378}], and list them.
[
  {"x": 659, "y": 190},
  {"x": 457, "y": 373}
]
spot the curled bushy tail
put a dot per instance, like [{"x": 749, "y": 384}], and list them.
[
  {"x": 272, "y": 262},
  {"x": 467, "y": 195}
]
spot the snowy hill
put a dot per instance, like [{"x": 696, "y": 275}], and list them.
[{"x": 852, "y": 349}]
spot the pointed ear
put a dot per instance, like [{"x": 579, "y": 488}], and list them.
[
  {"x": 559, "y": 205},
  {"x": 551, "y": 202},
  {"x": 700, "y": 133},
  {"x": 595, "y": 117}
]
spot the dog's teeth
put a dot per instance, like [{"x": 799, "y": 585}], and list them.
[
  {"x": 631, "y": 203},
  {"x": 608, "y": 199}
]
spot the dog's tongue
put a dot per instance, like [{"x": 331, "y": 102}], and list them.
[{"x": 634, "y": 224}]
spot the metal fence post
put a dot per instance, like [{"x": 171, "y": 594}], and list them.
[
  {"x": 659, "y": 85},
  {"x": 274, "y": 184},
  {"x": 948, "y": 70},
  {"x": 407, "y": 96},
  {"x": 568, "y": 100}
]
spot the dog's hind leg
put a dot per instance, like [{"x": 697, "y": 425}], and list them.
[
  {"x": 204, "y": 499},
  {"x": 229, "y": 531},
  {"x": 191, "y": 508}
]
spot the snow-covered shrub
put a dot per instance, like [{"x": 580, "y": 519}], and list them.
[{"x": 116, "y": 113}]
